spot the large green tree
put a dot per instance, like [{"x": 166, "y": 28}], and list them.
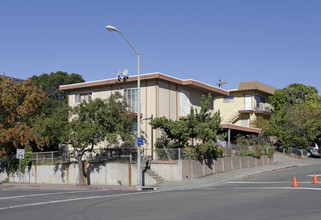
[
  {"x": 294, "y": 96},
  {"x": 50, "y": 129},
  {"x": 96, "y": 121},
  {"x": 296, "y": 120},
  {"x": 50, "y": 84},
  {"x": 20, "y": 104}
]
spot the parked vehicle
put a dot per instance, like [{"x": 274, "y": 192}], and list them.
[{"x": 315, "y": 150}]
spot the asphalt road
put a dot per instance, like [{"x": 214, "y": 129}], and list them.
[{"x": 268, "y": 196}]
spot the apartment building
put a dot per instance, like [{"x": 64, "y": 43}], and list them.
[
  {"x": 243, "y": 105},
  {"x": 161, "y": 95}
]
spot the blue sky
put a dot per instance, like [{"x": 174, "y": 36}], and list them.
[{"x": 276, "y": 42}]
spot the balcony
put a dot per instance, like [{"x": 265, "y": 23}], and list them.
[{"x": 261, "y": 108}]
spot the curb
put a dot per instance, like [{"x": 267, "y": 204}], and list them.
[
  {"x": 263, "y": 172},
  {"x": 85, "y": 187}
]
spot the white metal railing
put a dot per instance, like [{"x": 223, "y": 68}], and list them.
[{"x": 294, "y": 151}]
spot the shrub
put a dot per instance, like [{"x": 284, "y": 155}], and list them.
[
  {"x": 269, "y": 150},
  {"x": 243, "y": 142},
  {"x": 247, "y": 152},
  {"x": 257, "y": 150}
]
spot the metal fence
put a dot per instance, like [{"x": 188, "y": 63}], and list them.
[
  {"x": 48, "y": 157},
  {"x": 295, "y": 151},
  {"x": 108, "y": 154},
  {"x": 122, "y": 154},
  {"x": 168, "y": 154},
  {"x": 130, "y": 155}
]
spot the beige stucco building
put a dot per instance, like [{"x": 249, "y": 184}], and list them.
[
  {"x": 163, "y": 95},
  {"x": 245, "y": 104}
]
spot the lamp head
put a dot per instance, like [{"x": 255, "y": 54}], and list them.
[{"x": 111, "y": 28}]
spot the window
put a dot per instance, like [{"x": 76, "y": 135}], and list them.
[
  {"x": 248, "y": 102},
  {"x": 185, "y": 105},
  {"x": 260, "y": 103},
  {"x": 245, "y": 120},
  {"x": 228, "y": 99},
  {"x": 83, "y": 96},
  {"x": 131, "y": 95}
]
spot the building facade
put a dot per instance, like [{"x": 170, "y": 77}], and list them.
[
  {"x": 161, "y": 95},
  {"x": 245, "y": 104}
]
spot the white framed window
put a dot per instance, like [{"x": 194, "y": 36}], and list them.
[
  {"x": 248, "y": 102},
  {"x": 185, "y": 105},
  {"x": 131, "y": 95},
  {"x": 228, "y": 99},
  {"x": 83, "y": 96}
]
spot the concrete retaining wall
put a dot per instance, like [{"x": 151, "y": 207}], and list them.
[
  {"x": 126, "y": 174},
  {"x": 168, "y": 170},
  {"x": 194, "y": 169},
  {"x": 98, "y": 174}
]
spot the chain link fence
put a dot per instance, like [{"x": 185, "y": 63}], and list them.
[
  {"x": 128, "y": 155},
  {"x": 49, "y": 157},
  {"x": 167, "y": 154}
]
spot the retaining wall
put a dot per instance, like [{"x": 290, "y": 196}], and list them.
[
  {"x": 194, "y": 169},
  {"x": 126, "y": 174}
]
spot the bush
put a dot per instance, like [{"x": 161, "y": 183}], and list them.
[
  {"x": 269, "y": 150},
  {"x": 243, "y": 142},
  {"x": 257, "y": 150},
  {"x": 247, "y": 152},
  {"x": 207, "y": 150}
]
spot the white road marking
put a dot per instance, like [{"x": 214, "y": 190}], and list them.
[
  {"x": 75, "y": 199},
  {"x": 250, "y": 188},
  {"x": 40, "y": 194},
  {"x": 315, "y": 175},
  {"x": 8, "y": 189},
  {"x": 243, "y": 182}
]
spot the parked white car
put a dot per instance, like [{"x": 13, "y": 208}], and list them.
[{"x": 314, "y": 150}]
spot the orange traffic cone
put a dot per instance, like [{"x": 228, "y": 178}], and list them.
[
  {"x": 315, "y": 180},
  {"x": 295, "y": 183}
]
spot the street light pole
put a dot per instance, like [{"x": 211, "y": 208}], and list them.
[{"x": 139, "y": 182}]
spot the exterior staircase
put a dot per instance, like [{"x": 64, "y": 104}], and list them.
[
  {"x": 233, "y": 118},
  {"x": 146, "y": 170},
  {"x": 155, "y": 176}
]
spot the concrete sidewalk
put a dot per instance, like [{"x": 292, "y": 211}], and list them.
[{"x": 282, "y": 162}]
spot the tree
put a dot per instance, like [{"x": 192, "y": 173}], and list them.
[
  {"x": 296, "y": 127},
  {"x": 96, "y": 121},
  {"x": 294, "y": 96},
  {"x": 296, "y": 117},
  {"x": 50, "y": 129},
  {"x": 50, "y": 84},
  {"x": 206, "y": 129},
  {"x": 202, "y": 126},
  {"x": 19, "y": 105}
]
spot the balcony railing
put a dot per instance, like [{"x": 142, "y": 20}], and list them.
[
  {"x": 263, "y": 108},
  {"x": 260, "y": 108}
]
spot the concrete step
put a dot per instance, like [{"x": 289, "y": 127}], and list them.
[
  {"x": 155, "y": 176},
  {"x": 146, "y": 167}
]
